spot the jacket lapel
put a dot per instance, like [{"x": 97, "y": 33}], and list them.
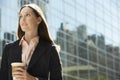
[
  {"x": 37, "y": 54},
  {"x": 17, "y": 51}
]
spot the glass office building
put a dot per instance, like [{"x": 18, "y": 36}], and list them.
[
  {"x": 87, "y": 31},
  {"x": 8, "y": 22}
]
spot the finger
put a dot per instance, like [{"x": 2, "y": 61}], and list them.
[
  {"x": 16, "y": 77},
  {"x": 20, "y": 75},
  {"x": 17, "y": 73},
  {"x": 19, "y": 69},
  {"x": 20, "y": 78}
]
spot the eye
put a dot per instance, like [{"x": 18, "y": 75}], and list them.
[
  {"x": 27, "y": 14},
  {"x": 20, "y": 16}
]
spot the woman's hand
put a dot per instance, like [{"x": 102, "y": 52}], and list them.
[{"x": 21, "y": 74}]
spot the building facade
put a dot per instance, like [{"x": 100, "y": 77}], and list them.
[
  {"x": 8, "y": 23},
  {"x": 90, "y": 47},
  {"x": 87, "y": 31}
]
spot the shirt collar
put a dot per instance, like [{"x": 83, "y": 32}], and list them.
[
  {"x": 33, "y": 39},
  {"x": 21, "y": 40}
]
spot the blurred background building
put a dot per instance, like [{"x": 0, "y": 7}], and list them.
[{"x": 87, "y": 31}]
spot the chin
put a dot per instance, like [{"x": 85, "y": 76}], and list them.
[{"x": 23, "y": 29}]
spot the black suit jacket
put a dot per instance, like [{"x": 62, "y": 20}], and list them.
[{"x": 44, "y": 62}]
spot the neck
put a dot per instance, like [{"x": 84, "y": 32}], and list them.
[{"x": 29, "y": 36}]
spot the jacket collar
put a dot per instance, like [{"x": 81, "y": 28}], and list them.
[{"x": 39, "y": 51}]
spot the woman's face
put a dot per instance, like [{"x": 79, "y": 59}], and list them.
[{"x": 28, "y": 21}]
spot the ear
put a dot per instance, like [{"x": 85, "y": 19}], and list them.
[{"x": 39, "y": 20}]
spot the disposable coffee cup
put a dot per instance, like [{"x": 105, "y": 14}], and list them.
[{"x": 16, "y": 65}]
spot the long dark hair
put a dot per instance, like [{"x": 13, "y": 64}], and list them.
[{"x": 43, "y": 32}]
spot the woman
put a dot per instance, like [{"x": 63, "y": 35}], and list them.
[{"x": 34, "y": 47}]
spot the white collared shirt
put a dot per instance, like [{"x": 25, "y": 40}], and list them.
[{"x": 28, "y": 49}]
